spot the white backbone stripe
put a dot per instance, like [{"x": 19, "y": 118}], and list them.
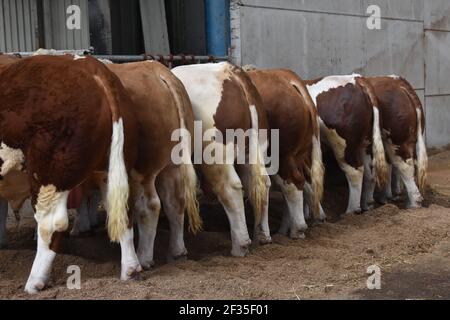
[{"x": 328, "y": 83}]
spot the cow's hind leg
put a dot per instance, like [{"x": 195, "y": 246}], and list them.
[
  {"x": 147, "y": 209},
  {"x": 294, "y": 200},
  {"x": 3, "y": 218},
  {"x": 308, "y": 191},
  {"x": 170, "y": 190},
  {"x": 261, "y": 230},
  {"x": 405, "y": 170},
  {"x": 355, "y": 181},
  {"x": 51, "y": 216},
  {"x": 81, "y": 222},
  {"x": 227, "y": 186},
  {"x": 367, "y": 200}
]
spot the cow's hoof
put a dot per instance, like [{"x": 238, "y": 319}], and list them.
[
  {"x": 131, "y": 272},
  {"x": 178, "y": 257},
  {"x": 263, "y": 239},
  {"x": 353, "y": 211},
  {"x": 297, "y": 235},
  {"x": 367, "y": 208},
  {"x": 241, "y": 250},
  {"x": 147, "y": 265},
  {"x": 34, "y": 286},
  {"x": 414, "y": 205}
]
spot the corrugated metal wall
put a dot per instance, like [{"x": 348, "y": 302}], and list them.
[
  {"x": 323, "y": 37},
  {"x": 18, "y": 25},
  {"x": 57, "y": 36}
]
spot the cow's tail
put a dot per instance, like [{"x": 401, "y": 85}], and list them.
[
  {"x": 378, "y": 154},
  {"x": 317, "y": 167},
  {"x": 259, "y": 179},
  {"x": 421, "y": 152},
  {"x": 421, "y": 149},
  {"x": 187, "y": 171},
  {"x": 117, "y": 188}
]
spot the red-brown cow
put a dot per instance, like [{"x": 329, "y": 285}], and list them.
[
  {"x": 162, "y": 107},
  {"x": 61, "y": 119},
  {"x": 403, "y": 129},
  {"x": 290, "y": 110},
  {"x": 350, "y": 126}
]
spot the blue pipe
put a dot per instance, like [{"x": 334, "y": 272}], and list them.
[{"x": 218, "y": 38}]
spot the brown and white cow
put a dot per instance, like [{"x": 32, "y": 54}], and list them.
[
  {"x": 290, "y": 110},
  {"x": 224, "y": 98},
  {"x": 403, "y": 124},
  {"x": 5, "y": 60},
  {"x": 350, "y": 126},
  {"x": 162, "y": 107},
  {"x": 60, "y": 120}
]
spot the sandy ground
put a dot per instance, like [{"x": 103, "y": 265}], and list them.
[{"x": 412, "y": 248}]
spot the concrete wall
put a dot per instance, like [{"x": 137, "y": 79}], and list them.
[{"x": 323, "y": 37}]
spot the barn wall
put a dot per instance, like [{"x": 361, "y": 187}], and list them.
[
  {"x": 57, "y": 36},
  {"x": 18, "y": 25},
  {"x": 323, "y": 37}
]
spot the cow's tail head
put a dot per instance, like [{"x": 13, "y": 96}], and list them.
[
  {"x": 317, "y": 167},
  {"x": 187, "y": 171},
  {"x": 421, "y": 149},
  {"x": 118, "y": 188},
  {"x": 379, "y": 158}
]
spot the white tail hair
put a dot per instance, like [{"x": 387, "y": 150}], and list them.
[
  {"x": 118, "y": 188},
  {"x": 421, "y": 151}
]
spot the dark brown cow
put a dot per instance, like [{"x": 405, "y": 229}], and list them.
[
  {"x": 224, "y": 98},
  {"x": 403, "y": 122},
  {"x": 350, "y": 125},
  {"x": 290, "y": 110},
  {"x": 60, "y": 120}
]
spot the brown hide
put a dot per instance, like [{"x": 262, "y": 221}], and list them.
[
  {"x": 288, "y": 112},
  {"x": 398, "y": 113},
  {"x": 349, "y": 111},
  {"x": 154, "y": 90},
  {"x": 59, "y": 112}
]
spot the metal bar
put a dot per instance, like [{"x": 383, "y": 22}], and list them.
[{"x": 132, "y": 58}]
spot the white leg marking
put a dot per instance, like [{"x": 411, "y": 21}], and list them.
[
  {"x": 368, "y": 184},
  {"x": 308, "y": 191},
  {"x": 130, "y": 263},
  {"x": 228, "y": 188},
  {"x": 355, "y": 182},
  {"x": 51, "y": 216},
  {"x": 294, "y": 201},
  {"x": 405, "y": 170}
]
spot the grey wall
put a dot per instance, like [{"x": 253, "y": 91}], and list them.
[
  {"x": 57, "y": 36},
  {"x": 18, "y": 25},
  {"x": 322, "y": 37}
]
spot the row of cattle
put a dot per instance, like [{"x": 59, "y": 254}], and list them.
[{"x": 70, "y": 123}]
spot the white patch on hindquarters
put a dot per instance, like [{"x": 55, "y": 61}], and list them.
[
  {"x": 394, "y": 76},
  {"x": 328, "y": 83},
  {"x": 51, "y": 212},
  {"x": 12, "y": 159},
  {"x": 204, "y": 85}
]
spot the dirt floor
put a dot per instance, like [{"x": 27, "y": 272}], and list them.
[{"x": 412, "y": 248}]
